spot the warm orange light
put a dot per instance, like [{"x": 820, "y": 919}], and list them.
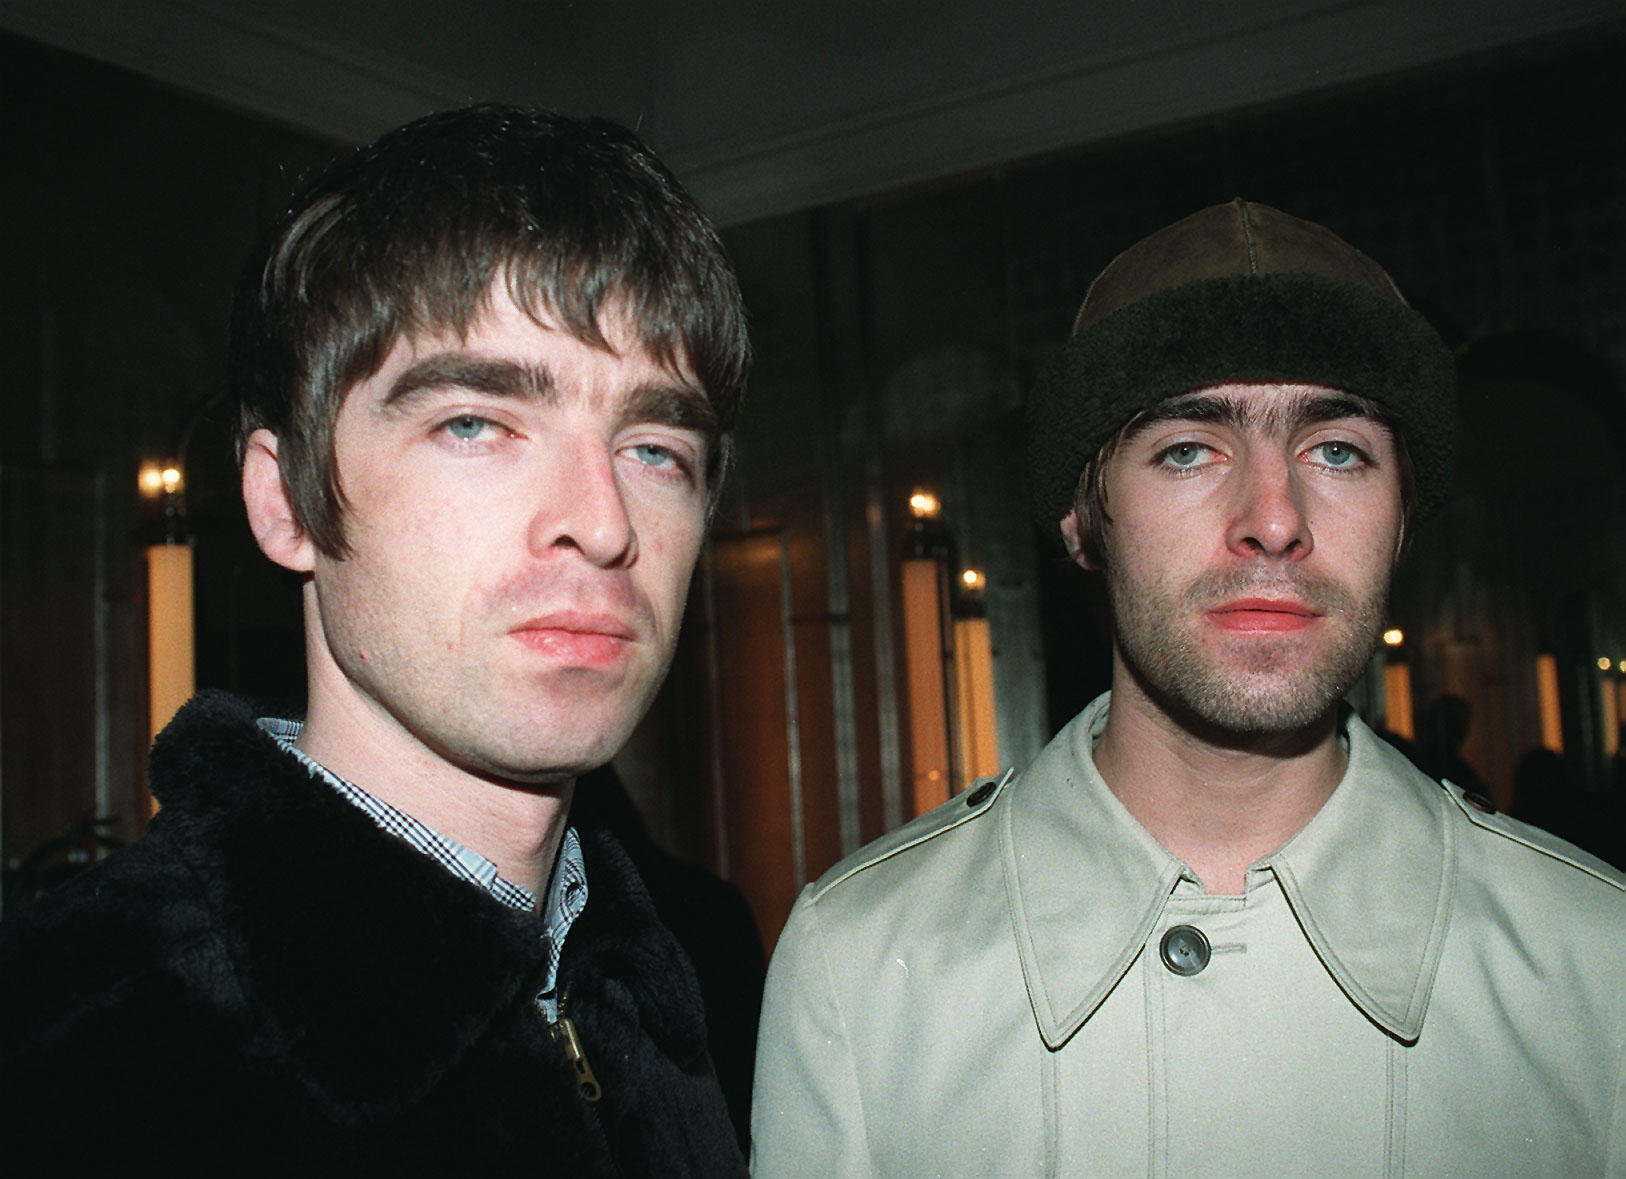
[
  {"x": 155, "y": 479},
  {"x": 169, "y": 632},
  {"x": 974, "y": 697},
  {"x": 923, "y": 505},
  {"x": 1603, "y": 663},
  {"x": 1552, "y": 718},
  {"x": 973, "y": 579},
  {"x": 1397, "y": 700},
  {"x": 923, "y": 657},
  {"x": 1393, "y": 637},
  {"x": 1611, "y": 717}
]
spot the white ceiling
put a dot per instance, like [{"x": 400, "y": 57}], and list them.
[{"x": 764, "y": 106}]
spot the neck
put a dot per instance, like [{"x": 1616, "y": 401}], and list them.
[
  {"x": 1217, "y": 802},
  {"x": 517, "y": 826}
]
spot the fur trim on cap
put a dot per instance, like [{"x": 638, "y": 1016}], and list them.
[{"x": 1323, "y": 314}]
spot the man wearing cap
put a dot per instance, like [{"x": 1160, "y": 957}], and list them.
[{"x": 1217, "y": 925}]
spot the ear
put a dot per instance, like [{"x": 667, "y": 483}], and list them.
[
  {"x": 1071, "y": 537},
  {"x": 270, "y": 514}
]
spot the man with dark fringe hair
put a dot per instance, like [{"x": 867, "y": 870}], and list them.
[
  {"x": 487, "y": 370},
  {"x": 408, "y": 235}
]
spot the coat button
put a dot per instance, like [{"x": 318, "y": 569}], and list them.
[
  {"x": 980, "y": 795},
  {"x": 1479, "y": 802},
  {"x": 1184, "y": 950}
]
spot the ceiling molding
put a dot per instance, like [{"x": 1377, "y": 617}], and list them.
[
  {"x": 1089, "y": 101},
  {"x": 815, "y": 150},
  {"x": 236, "y": 58}
]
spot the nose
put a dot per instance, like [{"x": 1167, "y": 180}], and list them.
[
  {"x": 1268, "y": 517},
  {"x": 582, "y": 507}
]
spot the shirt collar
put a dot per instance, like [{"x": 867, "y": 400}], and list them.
[
  {"x": 566, "y": 896},
  {"x": 461, "y": 861},
  {"x": 1368, "y": 878}
]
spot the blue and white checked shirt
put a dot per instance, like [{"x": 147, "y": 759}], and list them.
[{"x": 567, "y": 895}]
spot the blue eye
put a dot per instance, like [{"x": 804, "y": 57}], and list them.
[
  {"x": 1184, "y": 454},
  {"x": 466, "y": 428},
  {"x": 1338, "y": 454},
  {"x": 654, "y": 456}
]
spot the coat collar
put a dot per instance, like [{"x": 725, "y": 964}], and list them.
[
  {"x": 1368, "y": 878},
  {"x": 372, "y": 970}
]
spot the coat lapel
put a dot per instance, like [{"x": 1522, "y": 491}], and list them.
[
  {"x": 1369, "y": 879},
  {"x": 1085, "y": 880}
]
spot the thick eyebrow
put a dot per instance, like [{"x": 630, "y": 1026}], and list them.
[
  {"x": 680, "y": 406},
  {"x": 1236, "y": 413},
  {"x": 674, "y": 404},
  {"x": 453, "y": 370}
]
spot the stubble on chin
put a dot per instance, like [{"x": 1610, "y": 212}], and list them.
[{"x": 1247, "y": 687}]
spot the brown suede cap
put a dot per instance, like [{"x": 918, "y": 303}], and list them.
[
  {"x": 1238, "y": 292},
  {"x": 1220, "y": 242}
]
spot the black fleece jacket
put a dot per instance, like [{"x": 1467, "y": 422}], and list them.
[{"x": 266, "y": 981}]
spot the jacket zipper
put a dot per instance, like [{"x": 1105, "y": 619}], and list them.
[{"x": 564, "y": 1034}]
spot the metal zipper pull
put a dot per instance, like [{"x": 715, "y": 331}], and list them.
[{"x": 564, "y": 1034}]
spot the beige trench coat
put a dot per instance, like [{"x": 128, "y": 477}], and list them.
[{"x": 1409, "y": 986}]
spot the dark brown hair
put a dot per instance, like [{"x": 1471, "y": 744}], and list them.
[{"x": 406, "y": 236}]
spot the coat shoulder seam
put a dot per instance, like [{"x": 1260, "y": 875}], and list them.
[{"x": 945, "y": 817}]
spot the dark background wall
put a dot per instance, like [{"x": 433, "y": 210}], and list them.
[{"x": 126, "y": 213}]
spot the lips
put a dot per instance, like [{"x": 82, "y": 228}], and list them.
[
  {"x": 1275, "y": 615},
  {"x": 577, "y": 638}
]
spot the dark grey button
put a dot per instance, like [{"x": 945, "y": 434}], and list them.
[
  {"x": 1479, "y": 802},
  {"x": 980, "y": 795},
  {"x": 1184, "y": 950}
]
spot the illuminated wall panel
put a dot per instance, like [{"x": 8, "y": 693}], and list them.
[
  {"x": 974, "y": 691},
  {"x": 1398, "y": 714},
  {"x": 928, "y": 695},
  {"x": 1552, "y": 717},
  {"x": 169, "y": 632},
  {"x": 1611, "y": 715}
]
